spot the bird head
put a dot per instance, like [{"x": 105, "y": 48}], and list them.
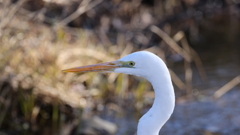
[{"x": 140, "y": 63}]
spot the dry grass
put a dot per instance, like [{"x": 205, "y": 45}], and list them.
[
  {"x": 33, "y": 88},
  {"x": 32, "y": 59}
]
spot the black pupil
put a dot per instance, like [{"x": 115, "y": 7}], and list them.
[{"x": 131, "y": 63}]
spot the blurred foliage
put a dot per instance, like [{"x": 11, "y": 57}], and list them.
[
  {"x": 36, "y": 43},
  {"x": 33, "y": 88}
]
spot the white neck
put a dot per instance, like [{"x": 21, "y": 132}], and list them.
[{"x": 162, "y": 108}]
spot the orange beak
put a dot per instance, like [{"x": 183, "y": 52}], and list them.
[{"x": 108, "y": 66}]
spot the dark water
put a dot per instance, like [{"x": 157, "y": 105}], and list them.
[{"x": 204, "y": 116}]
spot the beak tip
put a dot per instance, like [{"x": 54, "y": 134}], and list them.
[{"x": 65, "y": 70}]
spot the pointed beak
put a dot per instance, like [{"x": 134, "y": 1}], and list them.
[{"x": 108, "y": 66}]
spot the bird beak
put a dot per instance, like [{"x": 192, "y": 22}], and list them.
[{"x": 107, "y": 66}]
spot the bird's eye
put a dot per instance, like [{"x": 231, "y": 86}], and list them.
[{"x": 131, "y": 63}]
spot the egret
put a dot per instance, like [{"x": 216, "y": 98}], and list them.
[{"x": 151, "y": 67}]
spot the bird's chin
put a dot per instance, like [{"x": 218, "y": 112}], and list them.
[
  {"x": 108, "y": 72},
  {"x": 128, "y": 71}
]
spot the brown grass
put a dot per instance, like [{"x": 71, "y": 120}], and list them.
[{"x": 36, "y": 91}]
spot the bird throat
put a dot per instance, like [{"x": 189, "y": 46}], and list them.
[{"x": 161, "y": 110}]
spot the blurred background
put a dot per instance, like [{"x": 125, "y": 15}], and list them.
[{"x": 198, "y": 40}]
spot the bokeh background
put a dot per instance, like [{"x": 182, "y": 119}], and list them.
[{"x": 198, "y": 40}]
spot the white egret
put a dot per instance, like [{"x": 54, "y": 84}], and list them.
[{"x": 151, "y": 67}]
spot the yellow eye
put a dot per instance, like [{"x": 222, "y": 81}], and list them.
[{"x": 131, "y": 63}]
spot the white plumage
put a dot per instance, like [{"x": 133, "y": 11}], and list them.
[{"x": 151, "y": 67}]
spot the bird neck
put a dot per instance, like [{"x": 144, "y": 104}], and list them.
[{"x": 162, "y": 108}]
